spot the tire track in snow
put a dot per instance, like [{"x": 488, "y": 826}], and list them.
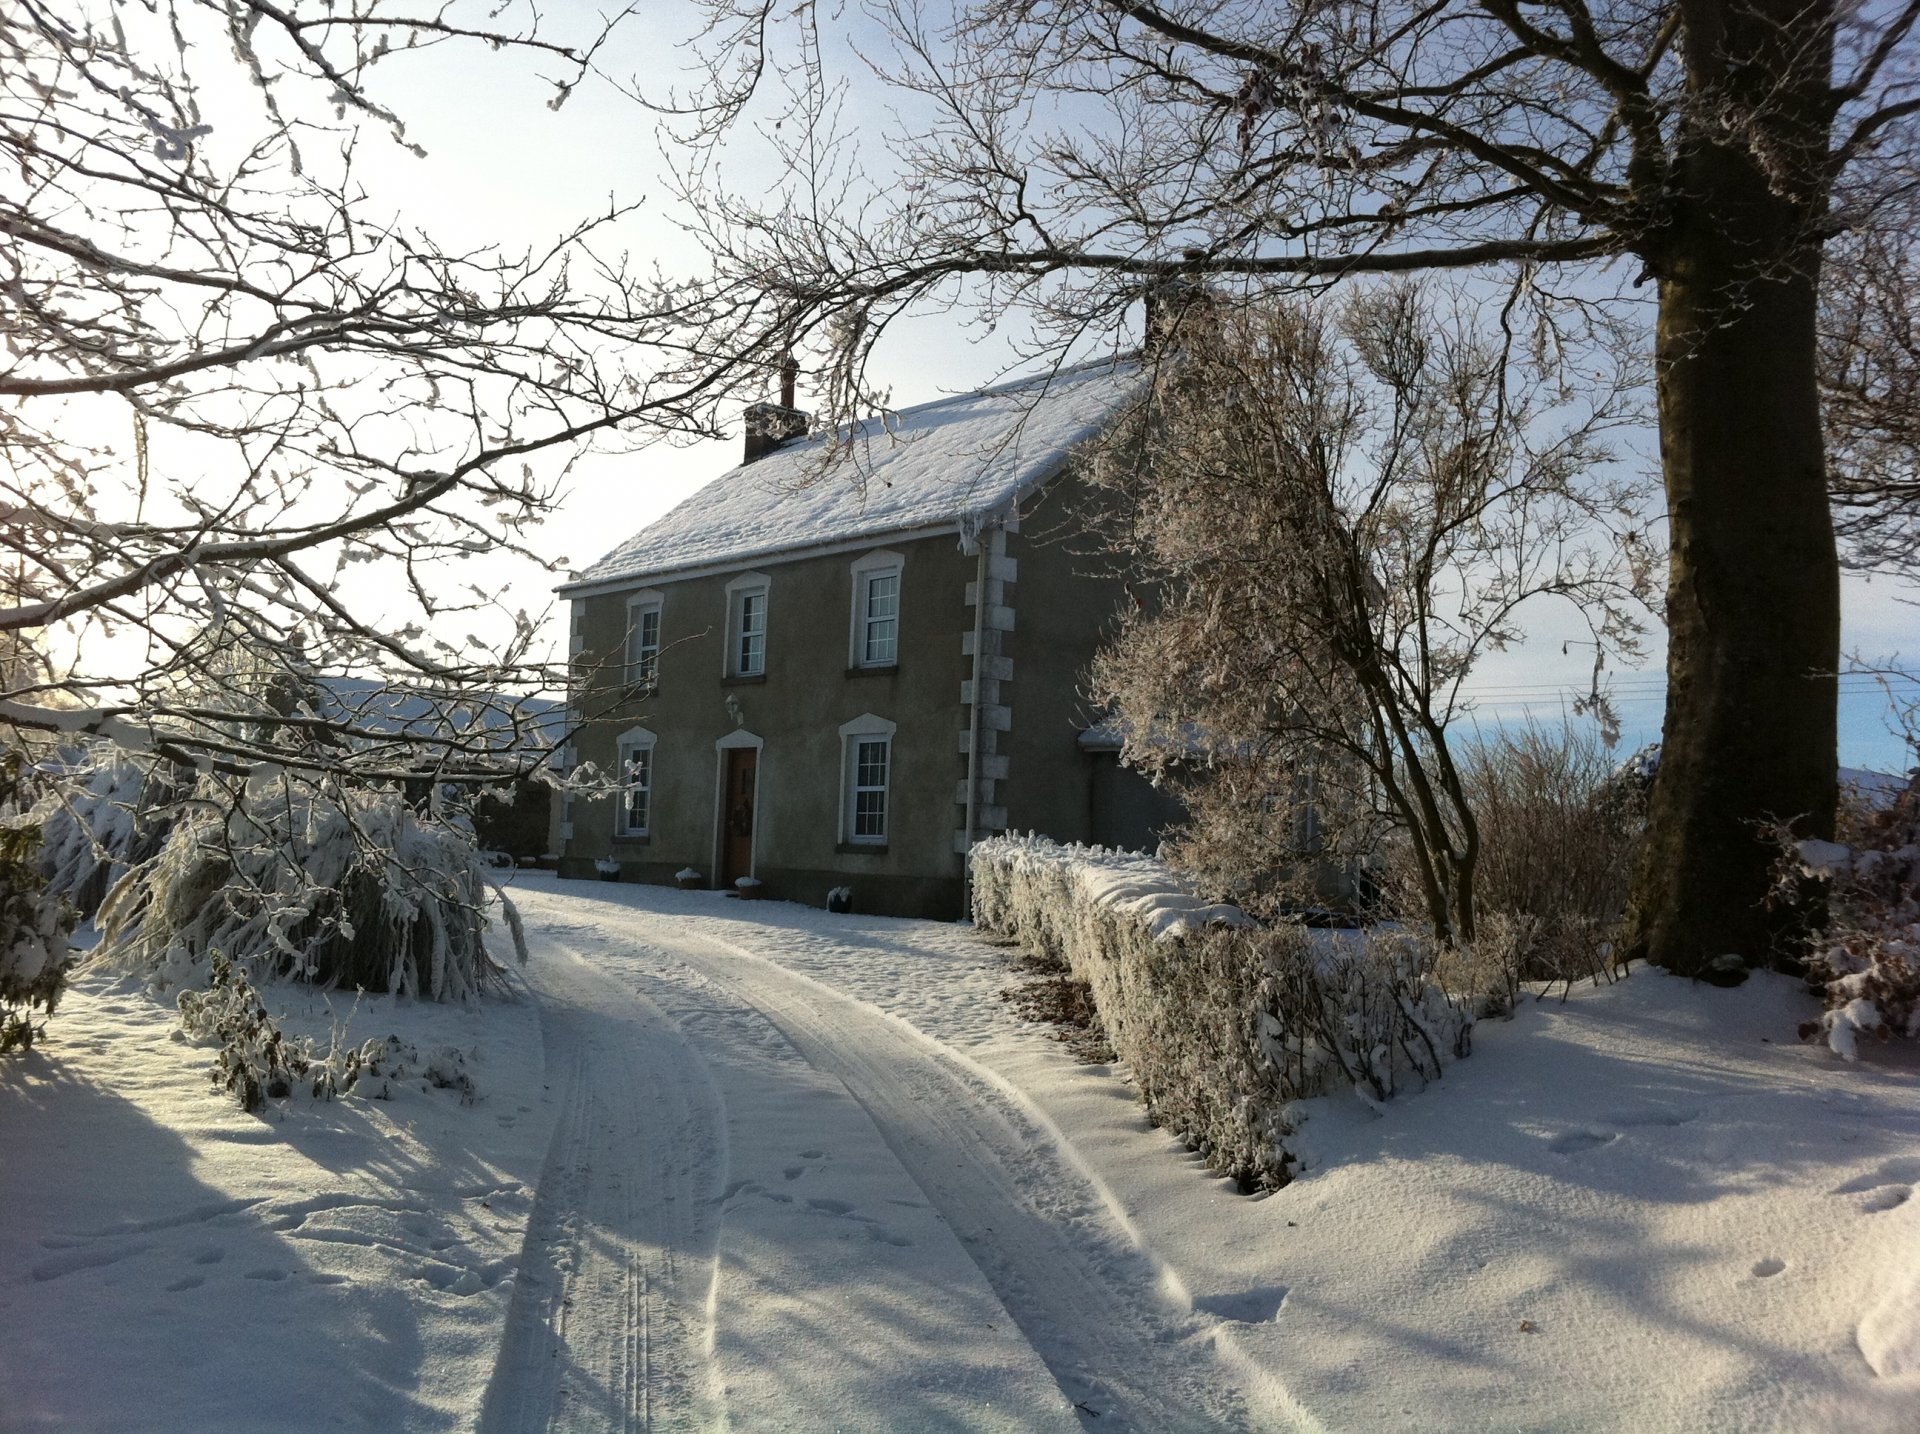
[
  {"x": 1036, "y": 1227},
  {"x": 609, "y": 1326}
]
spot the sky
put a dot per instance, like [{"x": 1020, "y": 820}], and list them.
[{"x": 503, "y": 167}]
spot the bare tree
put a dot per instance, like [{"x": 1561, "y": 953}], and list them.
[
  {"x": 1346, "y": 506},
  {"x": 1870, "y": 383},
  {"x": 1688, "y": 159},
  {"x": 234, "y": 388}
]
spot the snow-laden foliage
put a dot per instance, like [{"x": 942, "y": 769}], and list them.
[
  {"x": 257, "y": 1062},
  {"x": 340, "y": 887},
  {"x": 1345, "y": 508},
  {"x": 1223, "y": 1023},
  {"x": 34, "y": 922},
  {"x": 1868, "y": 960},
  {"x": 106, "y": 815}
]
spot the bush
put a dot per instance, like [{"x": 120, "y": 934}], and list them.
[
  {"x": 341, "y": 888},
  {"x": 257, "y": 1063},
  {"x": 108, "y": 813},
  {"x": 255, "y": 1060},
  {"x": 1222, "y": 1023},
  {"x": 34, "y": 922},
  {"x": 1559, "y": 827},
  {"x": 1867, "y": 962}
]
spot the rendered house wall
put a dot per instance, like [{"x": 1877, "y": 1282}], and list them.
[
  {"x": 1066, "y": 603},
  {"x": 796, "y": 709}
]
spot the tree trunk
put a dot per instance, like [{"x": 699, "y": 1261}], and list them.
[{"x": 1753, "y": 597}]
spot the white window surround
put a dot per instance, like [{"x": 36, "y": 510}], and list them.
[
  {"x": 643, "y": 646},
  {"x": 873, "y": 638},
  {"x": 854, "y": 781},
  {"x": 743, "y": 655},
  {"x": 635, "y": 745}
]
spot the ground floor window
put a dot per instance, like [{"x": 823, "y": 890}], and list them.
[
  {"x": 870, "y": 789},
  {"x": 866, "y": 772},
  {"x": 634, "y": 812}
]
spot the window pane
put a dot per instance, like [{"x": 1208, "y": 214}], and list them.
[
  {"x": 753, "y": 634},
  {"x": 881, "y": 620},
  {"x": 870, "y": 791},
  {"x": 636, "y": 790},
  {"x": 646, "y": 645}
]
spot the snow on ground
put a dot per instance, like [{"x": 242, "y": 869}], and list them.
[
  {"x": 1619, "y": 1174},
  {"x": 168, "y": 1262},
  {"x": 810, "y": 1172}
]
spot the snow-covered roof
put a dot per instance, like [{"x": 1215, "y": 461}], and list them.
[
  {"x": 374, "y": 705},
  {"x": 962, "y": 462}
]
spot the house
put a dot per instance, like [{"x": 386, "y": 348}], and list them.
[{"x": 814, "y": 681}]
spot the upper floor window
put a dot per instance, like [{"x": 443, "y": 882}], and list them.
[
  {"x": 876, "y": 610},
  {"x": 635, "y": 813},
  {"x": 747, "y": 625},
  {"x": 643, "y": 639}
]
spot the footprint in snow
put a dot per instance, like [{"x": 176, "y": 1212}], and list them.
[
  {"x": 188, "y": 1282},
  {"x": 1259, "y": 1305},
  {"x": 794, "y": 1172},
  {"x": 274, "y": 1275},
  {"x": 1903, "y": 1171},
  {"x": 210, "y": 1256},
  {"x": 1670, "y": 1118},
  {"x": 1569, "y": 1142},
  {"x": 452, "y": 1281},
  {"x": 1887, "y": 1197},
  {"x": 1766, "y": 1269},
  {"x": 832, "y": 1207},
  {"x": 83, "y": 1258}
]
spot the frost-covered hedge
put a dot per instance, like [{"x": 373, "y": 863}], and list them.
[
  {"x": 346, "y": 888},
  {"x": 1868, "y": 960},
  {"x": 1223, "y": 1023}
]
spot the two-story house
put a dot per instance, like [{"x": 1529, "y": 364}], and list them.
[{"x": 819, "y": 680}]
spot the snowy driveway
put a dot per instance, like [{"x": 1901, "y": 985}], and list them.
[{"x": 771, "y": 1204}]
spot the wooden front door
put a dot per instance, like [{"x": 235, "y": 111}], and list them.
[{"x": 736, "y": 815}]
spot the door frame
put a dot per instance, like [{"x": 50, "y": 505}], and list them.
[{"x": 733, "y": 741}]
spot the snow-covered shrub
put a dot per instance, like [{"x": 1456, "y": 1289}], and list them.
[
  {"x": 1559, "y": 828},
  {"x": 34, "y": 922},
  {"x": 1867, "y": 962},
  {"x": 257, "y": 1062},
  {"x": 107, "y": 812},
  {"x": 339, "y": 887},
  {"x": 1222, "y": 1022}
]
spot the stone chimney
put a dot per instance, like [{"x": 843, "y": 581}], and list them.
[{"x": 771, "y": 425}]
